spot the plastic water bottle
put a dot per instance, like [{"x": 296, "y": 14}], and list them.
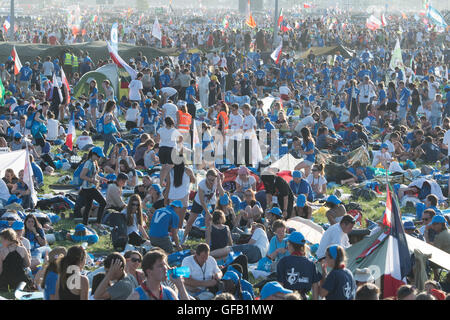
[{"x": 178, "y": 272}]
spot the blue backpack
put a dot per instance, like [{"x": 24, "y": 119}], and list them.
[
  {"x": 100, "y": 124},
  {"x": 77, "y": 181}
]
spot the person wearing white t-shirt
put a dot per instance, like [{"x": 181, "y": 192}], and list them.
[
  {"x": 52, "y": 127},
  {"x": 308, "y": 121},
  {"x": 132, "y": 116},
  {"x": 383, "y": 157},
  {"x": 285, "y": 92},
  {"x": 136, "y": 87},
  {"x": 4, "y": 192},
  {"x": 249, "y": 126},
  {"x": 84, "y": 142},
  {"x": 204, "y": 272},
  {"x": 170, "y": 110},
  {"x": 255, "y": 249},
  {"x": 235, "y": 123}
]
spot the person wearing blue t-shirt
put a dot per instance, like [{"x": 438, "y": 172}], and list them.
[
  {"x": 38, "y": 175},
  {"x": 301, "y": 186},
  {"x": 297, "y": 272},
  {"x": 403, "y": 101},
  {"x": 165, "y": 78},
  {"x": 308, "y": 151},
  {"x": 49, "y": 275},
  {"x": 283, "y": 71},
  {"x": 165, "y": 221},
  {"x": 278, "y": 243},
  {"x": 260, "y": 76},
  {"x": 149, "y": 117},
  {"x": 339, "y": 283},
  {"x": 24, "y": 75}
]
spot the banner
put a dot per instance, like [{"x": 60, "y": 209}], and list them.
[
  {"x": 115, "y": 37},
  {"x": 396, "y": 59},
  {"x": 156, "y": 32}
]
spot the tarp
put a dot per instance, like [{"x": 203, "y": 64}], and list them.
[
  {"x": 97, "y": 50},
  {"x": 310, "y": 230},
  {"x": 325, "y": 51}
]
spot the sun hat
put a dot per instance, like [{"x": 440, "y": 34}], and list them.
[
  {"x": 296, "y": 174},
  {"x": 333, "y": 199},
  {"x": 301, "y": 200},
  {"x": 231, "y": 275},
  {"x": 276, "y": 211},
  {"x": 271, "y": 288},
  {"x": 296, "y": 237},
  {"x": 243, "y": 170},
  {"x": 177, "y": 204},
  {"x": 363, "y": 275}
]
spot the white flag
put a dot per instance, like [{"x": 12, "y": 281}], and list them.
[
  {"x": 115, "y": 37},
  {"x": 276, "y": 55},
  {"x": 156, "y": 32},
  {"x": 56, "y": 84}
]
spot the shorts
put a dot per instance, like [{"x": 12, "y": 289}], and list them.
[
  {"x": 259, "y": 82},
  {"x": 250, "y": 250},
  {"x": 196, "y": 208},
  {"x": 382, "y": 107},
  {"x": 184, "y": 201},
  {"x": 391, "y": 106},
  {"x": 284, "y": 97},
  {"x": 163, "y": 243},
  {"x": 307, "y": 162},
  {"x": 165, "y": 155}
]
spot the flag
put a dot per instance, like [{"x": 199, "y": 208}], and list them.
[
  {"x": 156, "y": 32},
  {"x": 373, "y": 23},
  {"x": 307, "y": 5},
  {"x": 225, "y": 23},
  {"x": 6, "y": 25},
  {"x": 285, "y": 27},
  {"x": 55, "y": 84},
  {"x": 120, "y": 62},
  {"x": 398, "y": 259},
  {"x": 280, "y": 18},
  {"x": 16, "y": 59},
  {"x": 276, "y": 55},
  {"x": 436, "y": 17},
  {"x": 383, "y": 20},
  {"x": 94, "y": 18},
  {"x": 250, "y": 21},
  {"x": 297, "y": 25},
  {"x": 28, "y": 176},
  {"x": 115, "y": 37},
  {"x": 404, "y": 16},
  {"x": 66, "y": 84},
  {"x": 396, "y": 59},
  {"x": 2, "y": 94},
  {"x": 71, "y": 133}
]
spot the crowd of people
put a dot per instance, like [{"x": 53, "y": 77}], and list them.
[{"x": 189, "y": 153}]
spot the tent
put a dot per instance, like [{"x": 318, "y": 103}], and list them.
[
  {"x": 377, "y": 259},
  {"x": 107, "y": 72},
  {"x": 326, "y": 51},
  {"x": 310, "y": 230},
  {"x": 286, "y": 163}
]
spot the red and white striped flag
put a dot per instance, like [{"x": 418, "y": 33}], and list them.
[
  {"x": 17, "y": 63},
  {"x": 6, "y": 25},
  {"x": 276, "y": 55},
  {"x": 383, "y": 20},
  {"x": 71, "y": 133},
  {"x": 307, "y": 5},
  {"x": 373, "y": 23},
  {"x": 120, "y": 62}
]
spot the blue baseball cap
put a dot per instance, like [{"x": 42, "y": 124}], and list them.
[
  {"x": 148, "y": 101},
  {"x": 157, "y": 188},
  {"x": 384, "y": 145},
  {"x": 18, "y": 135},
  {"x": 232, "y": 256},
  {"x": 80, "y": 227},
  {"x": 224, "y": 200},
  {"x": 296, "y": 237},
  {"x": 296, "y": 174},
  {"x": 98, "y": 151},
  {"x": 271, "y": 288},
  {"x": 438, "y": 219},
  {"x": 350, "y": 125},
  {"x": 276, "y": 211},
  {"x": 409, "y": 225},
  {"x": 177, "y": 204},
  {"x": 301, "y": 200},
  {"x": 333, "y": 199},
  {"x": 18, "y": 225},
  {"x": 230, "y": 275}
]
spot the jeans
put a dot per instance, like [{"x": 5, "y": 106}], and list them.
[
  {"x": 435, "y": 121},
  {"x": 109, "y": 139}
]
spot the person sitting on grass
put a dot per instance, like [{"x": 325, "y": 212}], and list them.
[
  {"x": 20, "y": 189},
  {"x": 302, "y": 209},
  {"x": 357, "y": 175}
]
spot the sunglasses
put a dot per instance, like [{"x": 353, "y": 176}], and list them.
[
  {"x": 136, "y": 260},
  {"x": 426, "y": 219}
]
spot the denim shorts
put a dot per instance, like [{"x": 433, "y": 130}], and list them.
[{"x": 250, "y": 250}]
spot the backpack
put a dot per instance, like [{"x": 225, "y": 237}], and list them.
[
  {"x": 77, "y": 181},
  {"x": 119, "y": 236},
  {"x": 29, "y": 122},
  {"x": 100, "y": 124}
]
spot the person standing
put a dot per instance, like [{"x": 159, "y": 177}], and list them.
[
  {"x": 109, "y": 126},
  {"x": 89, "y": 192},
  {"x": 136, "y": 87},
  {"x": 203, "y": 86}
]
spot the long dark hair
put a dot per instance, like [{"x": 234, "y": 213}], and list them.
[
  {"x": 36, "y": 222},
  {"x": 74, "y": 256},
  {"x": 138, "y": 213},
  {"x": 178, "y": 172},
  {"x": 306, "y": 135},
  {"x": 125, "y": 163}
]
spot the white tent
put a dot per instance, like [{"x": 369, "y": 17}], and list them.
[
  {"x": 287, "y": 162},
  {"x": 310, "y": 230}
]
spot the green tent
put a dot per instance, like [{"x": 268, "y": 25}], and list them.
[{"x": 109, "y": 71}]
